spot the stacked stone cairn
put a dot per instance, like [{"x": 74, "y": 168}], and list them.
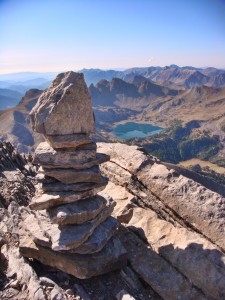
[{"x": 70, "y": 226}]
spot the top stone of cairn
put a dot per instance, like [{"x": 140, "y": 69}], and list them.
[{"x": 64, "y": 108}]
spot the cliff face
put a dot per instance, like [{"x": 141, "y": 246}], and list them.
[{"x": 171, "y": 226}]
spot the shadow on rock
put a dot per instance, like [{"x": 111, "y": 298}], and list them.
[
  {"x": 196, "y": 266},
  {"x": 3, "y": 269},
  {"x": 204, "y": 267}
]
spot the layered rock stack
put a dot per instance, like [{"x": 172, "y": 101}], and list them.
[{"x": 71, "y": 226}]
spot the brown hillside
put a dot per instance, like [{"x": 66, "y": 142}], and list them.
[
  {"x": 199, "y": 103},
  {"x": 14, "y": 123}
]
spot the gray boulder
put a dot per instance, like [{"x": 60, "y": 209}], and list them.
[{"x": 66, "y": 99}]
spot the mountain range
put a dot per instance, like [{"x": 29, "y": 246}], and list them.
[
  {"x": 173, "y": 77},
  {"x": 138, "y": 100},
  {"x": 171, "y": 219},
  {"x": 182, "y": 77},
  {"x": 157, "y": 103},
  {"x": 160, "y": 96},
  {"x": 134, "y": 94}
]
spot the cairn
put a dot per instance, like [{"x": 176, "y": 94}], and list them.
[{"x": 70, "y": 226}]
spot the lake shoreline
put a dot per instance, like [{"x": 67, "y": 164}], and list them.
[
  {"x": 135, "y": 121},
  {"x": 129, "y": 130}
]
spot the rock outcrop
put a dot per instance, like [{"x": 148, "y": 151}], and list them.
[
  {"x": 168, "y": 256},
  {"x": 175, "y": 226},
  {"x": 168, "y": 226},
  {"x": 76, "y": 233},
  {"x": 16, "y": 176},
  {"x": 67, "y": 100}
]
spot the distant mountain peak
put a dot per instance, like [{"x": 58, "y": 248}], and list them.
[{"x": 174, "y": 66}]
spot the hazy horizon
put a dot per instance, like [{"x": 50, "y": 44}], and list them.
[
  {"x": 54, "y": 36},
  {"x": 102, "y": 69}
]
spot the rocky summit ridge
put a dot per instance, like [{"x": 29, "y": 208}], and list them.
[
  {"x": 171, "y": 227},
  {"x": 180, "y": 222},
  {"x": 161, "y": 237}
]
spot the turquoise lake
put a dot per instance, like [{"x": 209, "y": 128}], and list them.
[{"x": 135, "y": 130}]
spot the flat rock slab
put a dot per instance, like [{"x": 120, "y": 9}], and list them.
[
  {"x": 130, "y": 158},
  {"x": 67, "y": 237},
  {"x": 65, "y": 107},
  {"x": 46, "y": 155},
  {"x": 51, "y": 199},
  {"x": 99, "y": 159},
  {"x": 194, "y": 203},
  {"x": 187, "y": 251},
  {"x": 73, "y": 176},
  {"x": 62, "y": 187},
  {"x": 113, "y": 256},
  {"x": 78, "y": 212},
  {"x": 101, "y": 235},
  {"x": 68, "y": 140},
  {"x": 166, "y": 281}
]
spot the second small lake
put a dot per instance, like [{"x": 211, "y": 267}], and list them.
[{"x": 135, "y": 130}]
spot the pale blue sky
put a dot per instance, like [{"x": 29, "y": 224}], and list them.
[{"x": 57, "y": 35}]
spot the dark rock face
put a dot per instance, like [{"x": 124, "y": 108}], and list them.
[{"x": 16, "y": 176}]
